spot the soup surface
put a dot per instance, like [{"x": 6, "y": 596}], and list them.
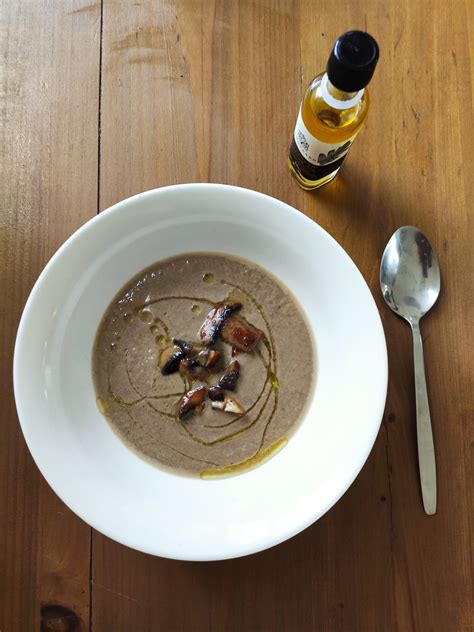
[{"x": 204, "y": 364}]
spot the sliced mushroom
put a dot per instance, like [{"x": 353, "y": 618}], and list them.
[
  {"x": 192, "y": 369},
  {"x": 216, "y": 394},
  {"x": 215, "y": 319},
  {"x": 186, "y": 347},
  {"x": 230, "y": 376},
  {"x": 192, "y": 402},
  {"x": 229, "y": 405},
  {"x": 169, "y": 359},
  {"x": 207, "y": 358},
  {"x": 240, "y": 334}
]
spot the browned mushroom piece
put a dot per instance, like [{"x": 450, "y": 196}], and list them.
[
  {"x": 215, "y": 319},
  {"x": 190, "y": 368},
  {"x": 240, "y": 334},
  {"x": 192, "y": 402},
  {"x": 228, "y": 405},
  {"x": 216, "y": 394},
  {"x": 207, "y": 357},
  {"x": 169, "y": 359},
  {"x": 228, "y": 379},
  {"x": 185, "y": 346}
]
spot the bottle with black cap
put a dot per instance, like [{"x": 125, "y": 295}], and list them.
[{"x": 333, "y": 110}]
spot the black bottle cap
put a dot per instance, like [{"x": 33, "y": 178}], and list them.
[{"x": 352, "y": 61}]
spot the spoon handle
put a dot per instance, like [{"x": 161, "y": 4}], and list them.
[{"x": 426, "y": 454}]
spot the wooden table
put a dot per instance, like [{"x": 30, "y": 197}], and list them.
[{"x": 103, "y": 100}]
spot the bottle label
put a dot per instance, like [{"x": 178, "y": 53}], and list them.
[{"x": 315, "y": 151}]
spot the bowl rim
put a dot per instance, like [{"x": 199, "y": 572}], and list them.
[{"x": 104, "y": 216}]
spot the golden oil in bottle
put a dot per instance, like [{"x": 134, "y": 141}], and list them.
[{"x": 333, "y": 111}]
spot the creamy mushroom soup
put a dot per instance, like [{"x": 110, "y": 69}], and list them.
[{"x": 204, "y": 364}]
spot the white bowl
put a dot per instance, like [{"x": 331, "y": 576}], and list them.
[{"x": 125, "y": 497}]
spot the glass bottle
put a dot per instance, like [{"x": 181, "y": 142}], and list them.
[{"x": 333, "y": 110}]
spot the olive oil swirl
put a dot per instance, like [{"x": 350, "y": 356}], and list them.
[{"x": 269, "y": 389}]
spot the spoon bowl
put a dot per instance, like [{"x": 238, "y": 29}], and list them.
[{"x": 409, "y": 274}]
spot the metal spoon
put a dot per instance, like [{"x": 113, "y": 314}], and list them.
[{"x": 410, "y": 284}]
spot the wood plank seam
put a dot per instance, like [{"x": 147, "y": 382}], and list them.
[{"x": 99, "y": 114}]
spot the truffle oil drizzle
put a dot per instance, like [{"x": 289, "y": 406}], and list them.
[{"x": 333, "y": 111}]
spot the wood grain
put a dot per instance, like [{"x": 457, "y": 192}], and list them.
[
  {"x": 207, "y": 90},
  {"x": 50, "y": 59}
]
